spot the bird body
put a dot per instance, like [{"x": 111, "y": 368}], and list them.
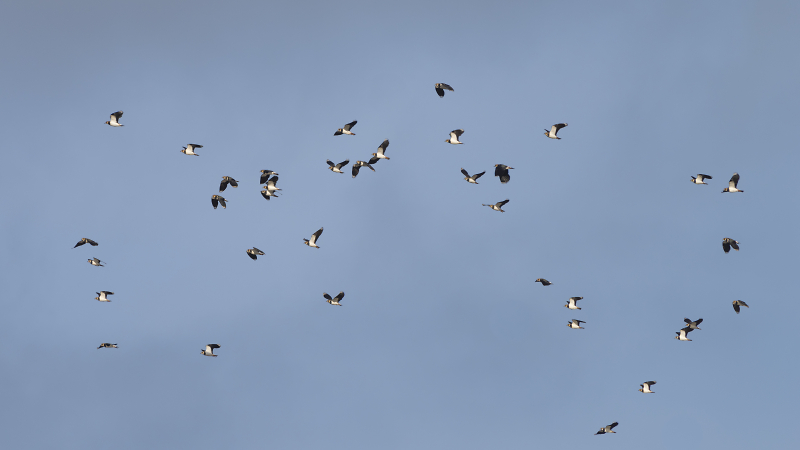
[
  {"x": 700, "y": 177},
  {"x": 454, "y": 135},
  {"x": 737, "y": 304},
  {"x": 497, "y": 206},
  {"x": 86, "y": 241},
  {"x": 727, "y": 243},
  {"x": 313, "y": 241},
  {"x": 441, "y": 87},
  {"x": 209, "y": 350},
  {"x": 218, "y": 199},
  {"x": 501, "y": 170},
  {"x": 732, "y": 184},
  {"x": 337, "y": 167},
  {"x": 334, "y": 300},
  {"x": 102, "y": 296},
  {"x": 573, "y": 303},
  {"x": 253, "y": 253},
  {"x": 551, "y": 133},
  {"x": 472, "y": 178},
  {"x": 114, "y": 119},
  {"x": 96, "y": 262},
  {"x": 575, "y": 324},
  {"x": 346, "y": 129},
  {"x": 189, "y": 149},
  {"x": 682, "y": 335},
  {"x": 645, "y": 387}
]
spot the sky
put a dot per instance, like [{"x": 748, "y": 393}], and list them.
[{"x": 443, "y": 340}]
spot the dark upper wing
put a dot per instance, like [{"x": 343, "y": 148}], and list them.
[
  {"x": 726, "y": 247},
  {"x": 93, "y": 243},
  {"x": 222, "y": 185},
  {"x": 81, "y": 242},
  {"x": 222, "y": 201},
  {"x": 117, "y": 115},
  {"x": 356, "y": 167},
  {"x": 458, "y": 132},
  {"x": 735, "y": 245},
  {"x": 440, "y": 92},
  {"x": 444, "y": 86},
  {"x": 736, "y": 307},
  {"x": 338, "y": 132},
  {"x": 498, "y": 171},
  {"x": 500, "y": 204},
  {"x": 559, "y": 126},
  {"x": 466, "y": 174},
  {"x": 478, "y": 175},
  {"x": 735, "y": 179},
  {"x": 708, "y": 177},
  {"x": 343, "y": 163},
  {"x": 505, "y": 178},
  {"x": 258, "y": 251},
  {"x": 233, "y": 183},
  {"x": 373, "y": 160},
  {"x": 350, "y": 125},
  {"x": 251, "y": 255},
  {"x": 265, "y": 176},
  {"x": 340, "y": 296},
  {"x": 214, "y": 202},
  {"x": 370, "y": 167},
  {"x": 327, "y": 296},
  {"x": 213, "y": 345},
  {"x": 330, "y": 163},
  {"x": 265, "y": 194},
  {"x": 697, "y": 322},
  {"x": 383, "y": 146},
  {"x": 317, "y": 234},
  {"x": 613, "y": 425}
]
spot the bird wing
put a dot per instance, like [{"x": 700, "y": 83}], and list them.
[
  {"x": 251, "y": 254},
  {"x": 383, "y": 146},
  {"x": 265, "y": 194},
  {"x": 355, "y": 169},
  {"x": 368, "y": 165},
  {"x": 578, "y": 321},
  {"x": 743, "y": 304},
  {"x": 258, "y": 251},
  {"x": 698, "y": 321},
  {"x": 649, "y": 383},
  {"x": 272, "y": 181},
  {"x": 327, "y": 296},
  {"x": 83, "y": 241},
  {"x": 214, "y": 201},
  {"x": 338, "y": 132},
  {"x": 114, "y": 118},
  {"x": 500, "y": 204},
  {"x": 91, "y": 242},
  {"x": 233, "y": 182},
  {"x": 466, "y": 174},
  {"x": 222, "y": 185},
  {"x": 350, "y": 125},
  {"x": 735, "y": 245},
  {"x": 686, "y": 319},
  {"x": 734, "y": 180},
  {"x": 445, "y": 86},
  {"x": 315, "y": 236},
  {"x": 343, "y": 163},
  {"x": 703, "y": 176},
  {"x": 736, "y": 307},
  {"x": 440, "y": 92},
  {"x": 726, "y": 247},
  {"x": 222, "y": 201},
  {"x": 340, "y": 296},
  {"x": 478, "y": 175},
  {"x": 558, "y": 126},
  {"x": 330, "y": 163},
  {"x": 373, "y": 160},
  {"x": 611, "y": 427},
  {"x": 498, "y": 170},
  {"x": 458, "y": 133}
]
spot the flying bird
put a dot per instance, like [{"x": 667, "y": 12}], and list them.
[
  {"x": 543, "y": 281},
  {"x": 217, "y": 199},
  {"x": 95, "y": 262},
  {"x": 271, "y": 186},
  {"x": 107, "y": 345},
  {"x": 254, "y": 252},
  {"x": 732, "y": 184},
  {"x": 737, "y": 304},
  {"x": 226, "y": 181},
  {"x": 607, "y": 429},
  {"x": 693, "y": 323},
  {"x": 267, "y": 194},
  {"x": 472, "y": 179},
  {"x": 575, "y": 324},
  {"x": 209, "y": 351},
  {"x": 358, "y": 166},
  {"x": 645, "y": 387},
  {"x": 573, "y": 303},
  {"x": 727, "y": 243},
  {"x": 700, "y": 177},
  {"x": 497, "y": 206},
  {"x": 313, "y": 241},
  {"x": 440, "y": 88},
  {"x": 334, "y": 300},
  {"x": 454, "y": 135},
  {"x": 501, "y": 170},
  {"x": 114, "y": 120},
  {"x": 189, "y": 149},
  {"x": 381, "y": 150},
  {"x": 551, "y": 133},
  {"x": 681, "y": 335},
  {"x": 86, "y": 241},
  {"x": 265, "y": 174},
  {"x": 337, "y": 167},
  {"x": 102, "y": 296},
  {"x": 346, "y": 129}
]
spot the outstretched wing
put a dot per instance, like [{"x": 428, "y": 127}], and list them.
[
  {"x": 458, "y": 133},
  {"x": 330, "y": 163},
  {"x": 350, "y": 125},
  {"x": 500, "y": 204},
  {"x": 265, "y": 194},
  {"x": 726, "y": 247},
  {"x": 611, "y": 427},
  {"x": 440, "y": 92},
  {"x": 383, "y": 146},
  {"x": 343, "y": 163},
  {"x": 214, "y": 202},
  {"x": 340, "y": 296},
  {"x": 316, "y": 236},
  {"x": 373, "y": 160},
  {"x": 327, "y": 296},
  {"x": 478, "y": 175},
  {"x": 222, "y": 185},
  {"x": 734, "y": 180},
  {"x": 355, "y": 169},
  {"x": 466, "y": 174}
]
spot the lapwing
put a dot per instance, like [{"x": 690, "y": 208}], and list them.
[
  {"x": 737, "y": 304},
  {"x": 189, "y": 149},
  {"x": 497, "y": 206},
  {"x": 440, "y": 88},
  {"x": 102, "y": 296},
  {"x": 472, "y": 178},
  {"x": 575, "y": 324},
  {"x": 334, "y": 300},
  {"x": 254, "y": 252},
  {"x": 337, "y": 167},
  {"x": 501, "y": 170},
  {"x": 107, "y": 345},
  {"x": 346, "y": 129},
  {"x": 226, "y": 181},
  {"x": 86, "y": 241},
  {"x": 114, "y": 119},
  {"x": 218, "y": 199},
  {"x": 732, "y": 184},
  {"x": 645, "y": 387},
  {"x": 551, "y": 133},
  {"x": 209, "y": 351},
  {"x": 313, "y": 241},
  {"x": 454, "y": 135},
  {"x": 700, "y": 177},
  {"x": 727, "y": 243},
  {"x": 573, "y": 303}
]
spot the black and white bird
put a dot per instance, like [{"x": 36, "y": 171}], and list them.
[
  {"x": 313, "y": 241},
  {"x": 441, "y": 87},
  {"x": 271, "y": 186},
  {"x": 358, "y": 166},
  {"x": 254, "y": 252},
  {"x": 265, "y": 174},
  {"x": 645, "y": 387},
  {"x": 189, "y": 149},
  {"x": 551, "y": 133},
  {"x": 334, "y": 300},
  {"x": 727, "y": 243},
  {"x": 607, "y": 429},
  {"x": 693, "y": 324},
  {"x": 454, "y": 135},
  {"x": 96, "y": 262},
  {"x": 501, "y": 170},
  {"x": 472, "y": 178},
  {"x": 381, "y": 150},
  {"x": 86, "y": 241},
  {"x": 346, "y": 129},
  {"x": 209, "y": 351},
  {"x": 575, "y": 324},
  {"x": 737, "y": 304},
  {"x": 497, "y": 206},
  {"x": 102, "y": 296},
  {"x": 681, "y": 335},
  {"x": 226, "y": 181},
  {"x": 337, "y": 167},
  {"x": 267, "y": 194},
  {"x": 573, "y": 303},
  {"x": 543, "y": 281},
  {"x": 107, "y": 345},
  {"x": 218, "y": 199},
  {"x": 732, "y": 184},
  {"x": 114, "y": 119},
  {"x": 700, "y": 177}
]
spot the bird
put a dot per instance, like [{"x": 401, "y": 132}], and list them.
[
  {"x": 440, "y": 87},
  {"x": 313, "y": 241},
  {"x": 337, "y": 167},
  {"x": 102, "y": 296},
  {"x": 107, "y": 345},
  {"x": 607, "y": 429},
  {"x": 497, "y": 206},
  {"x": 253, "y": 253},
  {"x": 95, "y": 262},
  {"x": 226, "y": 181},
  {"x": 215, "y": 199},
  {"x": 543, "y": 281},
  {"x": 501, "y": 170},
  {"x": 737, "y": 304},
  {"x": 732, "y": 184},
  {"x": 645, "y": 387},
  {"x": 551, "y": 133},
  {"x": 189, "y": 149},
  {"x": 454, "y": 135},
  {"x": 346, "y": 129},
  {"x": 86, "y": 241},
  {"x": 358, "y": 166},
  {"x": 681, "y": 335},
  {"x": 271, "y": 186},
  {"x": 472, "y": 179},
  {"x": 209, "y": 351},
  {"x": 575, "y": 324},
  {"x": 700, "y": 177},
  {"x": 267, "y": 194},
  {"x": 114, "y": 119},
  {"x": 265, "y": 174},
  {"x": 727, "y": 243},
  {"x": 381, "y": 150},
  {"x": 334, "y": 300},
  {"x": 573, "y": 303},
  {"x": 693, "y": 323}
]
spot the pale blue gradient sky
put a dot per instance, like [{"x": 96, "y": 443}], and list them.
[{"x": 443, "y": 341}]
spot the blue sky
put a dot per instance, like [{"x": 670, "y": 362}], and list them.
[{"x": 444, "y": 340}]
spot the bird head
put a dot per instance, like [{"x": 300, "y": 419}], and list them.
[{"x": 108, "y": 122}]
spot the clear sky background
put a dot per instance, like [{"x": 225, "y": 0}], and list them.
[{"x": 444, "y": 339}]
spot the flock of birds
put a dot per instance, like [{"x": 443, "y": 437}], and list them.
[{"x": 270, "y": 179}]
